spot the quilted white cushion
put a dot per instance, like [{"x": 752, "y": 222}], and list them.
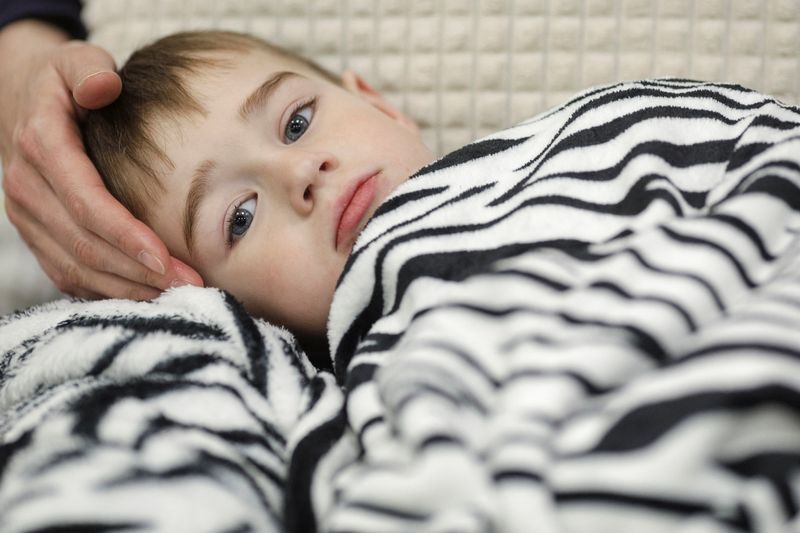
[{"x": 465, "y": 69}]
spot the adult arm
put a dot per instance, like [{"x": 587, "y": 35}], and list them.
[
  {"x": 65, "y": 14},
  {"x": 87, "y": 243}
]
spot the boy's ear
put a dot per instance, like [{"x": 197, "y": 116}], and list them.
[{"x": 357, "y": 85}]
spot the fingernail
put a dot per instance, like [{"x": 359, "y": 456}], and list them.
[
  {"x": 152, "y": 262},
  {"x": 184, "y": 276},
  {"x": 181, "y": 282},
  {"x": 86, "y": 78},
  {"x": 175, "y": 283}
]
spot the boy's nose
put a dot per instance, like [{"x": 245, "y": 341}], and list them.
[{"x": 309, "y": 172}]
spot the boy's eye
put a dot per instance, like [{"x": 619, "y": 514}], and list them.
[
  {"x": 298, "y": 123},
  {"x": 240, "y": 220}
]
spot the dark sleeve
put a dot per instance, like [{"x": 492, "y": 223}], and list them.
[{"x": 66, "y": 14}]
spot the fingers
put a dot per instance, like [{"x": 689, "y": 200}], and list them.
[
  {"x": 75, "y": 279},
  {"x": 184, "y": 274},
  {"x": 81, "y": 256},
  {"x": 90, "y": 74},
  {"x": 97, "y": 90},
  {"x": 78, "y": 199},
  {"x": 53, "y": 273},
  {"x": 38, "y": 208},
  {"x": 84, "y": 239}
]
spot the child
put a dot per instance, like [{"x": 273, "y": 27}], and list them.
[
  {"x": 255, "y": 166},
  {"x": 559, "y": 327}
]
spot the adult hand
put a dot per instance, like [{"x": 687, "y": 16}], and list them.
[{"x": 86, "y": 241}]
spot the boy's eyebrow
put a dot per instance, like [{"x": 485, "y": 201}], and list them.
[
  {"x": 259, "y": 97},
  {"x": 197, "y": 192}
]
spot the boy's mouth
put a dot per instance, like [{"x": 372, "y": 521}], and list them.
[{"x": 351, "y": 207}]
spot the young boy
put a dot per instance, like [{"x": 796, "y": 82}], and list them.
[
  {"x": 564, "y": 324},
  {"x": 255, "y": 166}
]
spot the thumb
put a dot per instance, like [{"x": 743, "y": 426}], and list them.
[{"x": 89, "y": 73}]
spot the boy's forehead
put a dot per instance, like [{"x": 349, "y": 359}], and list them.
[
  {"x": 265, "y": 60},
  {"x": 227, "y": 75},
  {"x": 219, "y": 88},
  {"x": 236, "y": 74}
]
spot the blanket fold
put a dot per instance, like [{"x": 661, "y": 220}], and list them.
[
  {"x": 587, "y": 322},
  {"x": 172, "y": 415}
]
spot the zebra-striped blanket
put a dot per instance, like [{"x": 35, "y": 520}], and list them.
[{"x": 588, "y": 322}]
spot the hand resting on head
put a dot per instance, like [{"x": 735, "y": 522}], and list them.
[{"x": 86, "y": 242}]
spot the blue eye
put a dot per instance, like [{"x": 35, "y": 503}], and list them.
[
  {"x": 298, "y": 123},
  {"x": 240, "y": 220}
]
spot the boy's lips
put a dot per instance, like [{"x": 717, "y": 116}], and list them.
[{"x": 351, "y": 207}]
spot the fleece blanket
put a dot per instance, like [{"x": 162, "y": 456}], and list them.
[{"x": 588, "y": 322}]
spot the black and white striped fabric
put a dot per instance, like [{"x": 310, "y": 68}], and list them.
[
  {"x": 589, "y": 322},
  {"x": 173, "y": 415}
]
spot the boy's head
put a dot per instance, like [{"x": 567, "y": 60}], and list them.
[{"x": 255, "y": 166}]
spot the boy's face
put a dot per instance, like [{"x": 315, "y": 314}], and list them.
[{"x": 270, "y": 188}]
